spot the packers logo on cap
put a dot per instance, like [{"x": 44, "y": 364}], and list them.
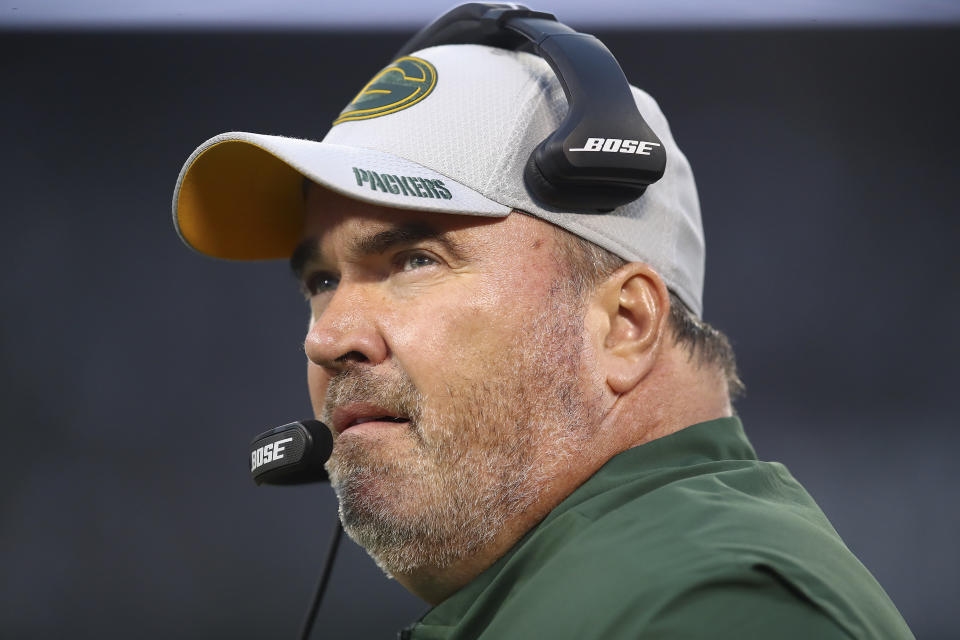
[{"x": 403, "y": 83}]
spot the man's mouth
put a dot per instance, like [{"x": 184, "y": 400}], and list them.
[
  {"x": 351, "y": 415},
  {"x": 377, "y": 419}
]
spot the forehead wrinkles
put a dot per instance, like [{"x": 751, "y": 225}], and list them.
[
  {"x": 331, "y": 215},
  {"x": 356, "y": 239}
]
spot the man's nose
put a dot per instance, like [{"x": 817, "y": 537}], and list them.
[{"x": 346, "y": 332}]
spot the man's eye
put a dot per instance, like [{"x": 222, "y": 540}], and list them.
[
  {"x": 321, "y": 283},
  {"x": 412, "y": 261}
]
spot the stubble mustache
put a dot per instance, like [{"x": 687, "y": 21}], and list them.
[{"x": 396, "y": 394}]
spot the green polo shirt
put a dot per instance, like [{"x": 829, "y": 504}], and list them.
[{"x": 688, "y": 536}]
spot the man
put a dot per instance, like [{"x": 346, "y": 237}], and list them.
[{"x": 533, "y": 427}]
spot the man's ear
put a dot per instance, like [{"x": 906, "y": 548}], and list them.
[{"x": 634, "y": 305}]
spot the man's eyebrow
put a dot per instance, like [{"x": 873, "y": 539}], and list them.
[
  {"x": 378, "y": 243},
  {"x": 305, "y": 253}
]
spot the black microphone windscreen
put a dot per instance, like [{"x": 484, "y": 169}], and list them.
[{"x": 292, "y": 454}]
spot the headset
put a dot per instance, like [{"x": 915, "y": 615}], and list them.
[{"x": 602, "y": 114}]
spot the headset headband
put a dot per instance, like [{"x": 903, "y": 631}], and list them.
[{"x": 603, "y": 155}]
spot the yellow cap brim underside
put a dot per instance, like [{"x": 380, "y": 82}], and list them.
[{"x": 240, "y": 202}]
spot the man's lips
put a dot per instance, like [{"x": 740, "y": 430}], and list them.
[{"x": 351, "y": 415}]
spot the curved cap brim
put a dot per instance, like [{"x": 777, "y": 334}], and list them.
[{"x": 240, "y": 195}]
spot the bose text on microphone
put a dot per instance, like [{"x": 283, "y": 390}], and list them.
[{"x": 292, "y": 454}]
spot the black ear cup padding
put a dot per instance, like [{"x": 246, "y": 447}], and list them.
[
  {"x": 582, "y": 198},
  {"x": 541, "y": 188}
]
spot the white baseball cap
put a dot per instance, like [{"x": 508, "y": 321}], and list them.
[{"x": 446, "y": 129}]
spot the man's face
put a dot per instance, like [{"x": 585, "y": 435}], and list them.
[{"x": 448, "y": 355}]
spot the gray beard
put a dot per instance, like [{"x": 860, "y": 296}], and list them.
[{"x": 499, "y": 442}]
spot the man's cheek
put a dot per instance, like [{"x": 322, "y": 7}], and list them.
[{"x": 455, "y": 341}]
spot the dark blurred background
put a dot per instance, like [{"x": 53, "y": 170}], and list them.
[{"x": 135, "y": 372}]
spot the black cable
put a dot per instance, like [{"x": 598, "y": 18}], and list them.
[{"x": 322, "y": 585}]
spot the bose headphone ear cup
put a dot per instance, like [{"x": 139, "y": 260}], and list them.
[{"x": 573, "y": 197}]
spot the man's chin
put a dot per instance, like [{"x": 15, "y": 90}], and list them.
[
  {"x": 397, "y": 542},
  {"x": 378, "y": 498},
  {"x": 403, "y": 525}
]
